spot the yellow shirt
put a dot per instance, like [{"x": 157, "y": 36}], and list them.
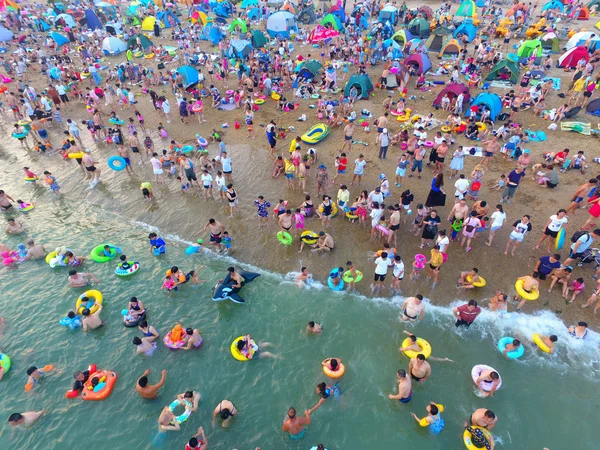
[
  {"x": 293, "y": 145},
  {"x": 436, "y": 258},
  {"x": 579, "y": 84},
  {"x": 146, "y": 185}
]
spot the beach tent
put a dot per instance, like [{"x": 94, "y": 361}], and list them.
[
  {"x": 426, "y": 11},
  {"x": 579, "y": 39},
  {"x": 189, "y": 74},
  {"x": 571, "y": 57},
  {"x": 453, "y": 90},
  {"x": 287, "y": 6},
  {"x": 282, "y": 24},
  {"x": 238, "y": 24},
  {"x": 114, "y": 28},
  {"x": 221, "y": 10},
  {"x": 554, "y": 4},
  {"x": 362, "y": 84},
  {"x": 339, "y": 12},
  {"x": 491, "y": 102},
  {"x": 211, "y": 32},
  {"x": 402, "y": 37},
  {"x": 396, "y": 48},
  {"x": 307, "y": 15},
  {"x": 438, "y": 37},
  {"x": 113, "y": 46},
  {"x": 389, "y": 14},
  {"x": 199, "y": 16},
  {"x": 308, "y": 69},
  {"x": 148, "y": 23},
  {"x": 58, "y": 38},
  {"x": 92, "y": 21},
  {"x": 398, "y": 76},
  {"x": 258, "y": 39},
  {"x": 254, "y": 14},
  {"x": 419, "y": 27},
  {"x": 550, "y": 42},
  {"x": 40, "y": 24},
  {"x": 5, "y": 34},
  {"x": 332, "y": 21},
  {"x": 68, "y": 18},
  {"x": 593, "y": 107},
  {"x": 239, "y": 48},
  {"x": 168, "y": 18},
  {"x": 584, "y": 14},
  {"x": 132, "y": 42},
  {"x": 467, "y": 9},
  {"x": 529, "y": 48},
  {"x": 451, "y": 47},
  {"x": 480, "y": 3},
  {"x": 467, "y": 28},
  {"x": 419, "y": 62},
  {"x": 320, "y": 33},
  {"x": 505, "y": 70}
]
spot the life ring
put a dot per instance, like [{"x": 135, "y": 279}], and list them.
[
  {"x": 481, "y": 126},
  {"x": 275, "y": 96},
  {"x": 560, "y": 239},
  {"x": 315, "y": 96},
  {"x": 334, "y": 209},
  {"x": 173, "y": 345},
  {"x": 92, "y": 294},
  {"x": 348, "y": 277},
  {"x": 29, "y": 207},
  {"x": 337, "y": 374},
  {"x": 182, "y": 417},
  {"x": 149, "y": 56},
  {"x": 197, "y": 108},
  {"x": 309, "y": 237},
  {"x": 351, "y": 215},
  {"x": 476, "y": 372},
  {"x": 52, "y": 255},
  {"x": 426, "y": 348},
  {"x": 138, "y": 54},
  {"x": 135, "y": 266},
  {"x": 537, "y": 339},
  {"x": 404, "y": 117},
  {"x": 332, "y": 286},
  {"x": 428, "y": 144},
  {"x": 467, "y": 438},
  {"x": 259, "y": 101},
  {"x": 116, "y": 121},
  {"x": 515, "y": 354},
  {"x": 77, "y": 155},
  {"x": 5, "y": 362},
  {"x": 202, "y": 142},
  {"x": 234, "y": 350},
  {"x": 31, "y": 180},
  {"x": 230, "y": 92},
  {"x": 73, "y": 323},
  {"x": 97, "y": 253},
  {"x": 102, "y": 389},
  {"x": 533, "y": 295},
  {"x": 20, "y": 136},
  {"x": 285, "y": 238},
  {"x": 446, "y": 129},
  {"x": 480, "y": 283},
  {"x": 116, "y": 163},
  {"x": 188, "y": 148}
]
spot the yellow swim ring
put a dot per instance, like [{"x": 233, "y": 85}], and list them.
[
  {"x": 149, "y": 56},
  {"x": 91, "y": 294},
  {"x": 309, "y": 237},
  {"x": 480, "y": 283},
  {"x": 234, "y": 350},
  {"x": 334, "y": 209},
  {"x": 540, "y": 343},
  {"x": 481, "y": 126},
  {"x": 259, "y": 101},
  {"x": 446, "y": 129},
  {"x": 50, "y": 256},
  {"x": 467, "y": 438},
  {"x": 337, "y": 374},
  {"x": 414, "y": 119},
  {"x": 426, "y": 352},
  {"x": 533, "y": 295}
]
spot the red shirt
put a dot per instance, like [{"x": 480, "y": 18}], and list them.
[
  {"x": 465, "y": 314},
  {"x": 343, "y": 164}
]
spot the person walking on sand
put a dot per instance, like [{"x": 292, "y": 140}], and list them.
[{"x": 520, "y": 229}]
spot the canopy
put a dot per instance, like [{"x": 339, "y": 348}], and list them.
[
  {"x": 320, "y": 33},
  {"x": 93, "y": 23},
  {"x": 59, "y": 39},
  {"x": 189, "y": 74},
  {"x": 282, "y": 24},
  {"x": 529, "y": 48},
  {"x": 148, "y": 23},
  {"x": 167, "y": 18},
  {"x": 113, "y": 45},
  {"x": 143, "y": 41},
  {"x": 5, "y": 34},
  {"x": 572, "y": 56},
  {"x": 453, "y": 90},
  {"x": 467, "y": 9},
  {"x": 362, "y": 84},
  {"x": 491, "y": 102},
  {"x": 238, "y": 23},
  {"x": 239, "y": 48},
  {"x": 419, "y": 27},
  {"x": 419, "y": 62},
  {"x": 505, "y": 70},
  {"x": 438, "y": 37},
  {"x": 402, "y": 37}
]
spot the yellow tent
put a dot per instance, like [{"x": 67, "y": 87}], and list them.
[{"x": 148, "y": 23}]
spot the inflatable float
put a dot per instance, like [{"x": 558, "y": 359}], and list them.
[
  {"x": 104, "y": 387},
  {"x": 224, "y": 291},
  {"x": 476, "y": 372},
  {"x": 515, "y": 354},
  {"x": 315, "y": 134}
]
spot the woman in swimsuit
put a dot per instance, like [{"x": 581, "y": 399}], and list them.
[
  {"x": 73, "y": 260},
  {"x": 307, "y": 206},
  {"x": 136, "y": 308},
  {"x": 149, "y": 332},
  {"x": 232, "y": 198},
  {"x": 226, "y": 410}
]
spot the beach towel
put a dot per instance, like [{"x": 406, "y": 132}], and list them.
[
  {"x": 578, "y": 127},
  {"x": 536, "y": 136},
  {"x": 474, "y": 151},
  {"x": 555, "y": 82},
  {"x": 226, "y": 107},
  {"x": 502, "y": 84}
]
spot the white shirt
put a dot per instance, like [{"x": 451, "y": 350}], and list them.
[
  {"x": 556, "y": 223},
  {"x": 359, "y": 166},
  {"x": 461, "y": 186},
  {"x": 381, "y": 265},
  {"x": 156, "y": 164},
  {"x": 398, "y": 270},
  {"x": 443, "y": 243},
  {"x": 375, "y": 216},
  {"x": 220, "y": 181},
  {"x": 166, "y": 106},
  {"x": 498, "y": 219},
  {"x": 375, "y": 197},
  {"x": 226, "y": 163},
  {"x": 206, "y": 180}
]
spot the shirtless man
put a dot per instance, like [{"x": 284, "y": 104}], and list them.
[
  {"x": 124, "y": 153},
  {"x": 490, "y": 379},
  {"x": 481, "y": 208},
  {"x": 581, "y": 193},
  {"x": 91, "y": 321},
  {"x": 5, "y": 201},
  {"x": 413, "y": 346},
  {"x": 149, "y": 391},
  {"x": 473, "y": 276},
  {"x": 348, "y": 136},
  {"x": 549, "y": 341},
  {"x": 74, "y": 149},
  {"x": 35, "y": 251},
  {"x": 226, "y": 410},
  {"x": 483, "y": 418},
  {"x": 285, "y": 221},
  {"x": 530, "y": 283},
  {"x": 324, "y": 243},
  {"x": 442, "y": 150},
  {"x": 458, "y": 212},
  {"x": 134, "y": 144},
  {"x": 14, "y": 227},
  {"x": 294, "y": 425},
  {"x": 490, "y": 148},
  {"x": 382, "y": 123},
  {"x": 393, "y": 224},
  {"x": 404, "y": 387},
  {"x": 24, "y": 419},
  {"x": 498, "y": 302},
  {"x": 88, "y": 162},
  {"x": 234, "y": 276},
  {"x": 81, "y": 279},
  {"x": 216, "y": 232},
  {"x": 413, "y": 308},
  {"x": 194, "y": 339},
  {"x": 419, "y": 369}
]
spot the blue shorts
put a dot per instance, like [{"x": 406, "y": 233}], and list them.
[
  {"x": 400, "y": 172},
  {"x": 341, "y": 171},
  {"x": 406, "y": 399},
  {"x": 289, "y": 176},
  {"x": 347, "y": 138},
  {"x": 127, "y": 162}
]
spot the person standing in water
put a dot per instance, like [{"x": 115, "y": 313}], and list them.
[
  {"x": 404, "y": 387},
  {"x": 294, "y": 425},
  {"x": 149, "y": 391}
]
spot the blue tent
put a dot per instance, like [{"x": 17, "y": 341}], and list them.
[
  {"x": 492, "y": 102},
  {"x": 467, "y": 28},
  {"x": 58, "y": 38},
  {"x": 68, "y": 18},
  {"x": 396, "y": 48},
  {"x": 5, "y": 35},
  {"x": 41, "y": 24},
  {"x": 113, "y": 46},
  {"x": 221, "y": 11},
  {"x": 211, "y": 33},
  {"x": 388, "y": 14},
  {"x": 254, "y": 14},
  {"x": 239, "y": 48},
  {"x": 248, "y": 3},
  {"x": 92, "y": 20},
  {"x": 168, "y": 18},
  {"x": 480, "y": 3},
  {"x": 282, "y": 24},
  {"x": 554, "y": 4},
  {"x": 189, "y": 74},
  {"x": 339, "y": 12}
]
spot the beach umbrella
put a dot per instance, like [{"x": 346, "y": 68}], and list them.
[
  {"x": 320, "y": 33},
  {"x": 467, "y": 9}
]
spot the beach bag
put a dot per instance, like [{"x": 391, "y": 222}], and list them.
[{"x": 476, "y": 185}]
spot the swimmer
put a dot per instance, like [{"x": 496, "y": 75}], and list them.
[
  {"x": 530, "y": 284},
  {"x": 73, "y": 260},
  {"x": 324, "y": 391},
  {"x": 353, "y": 274},
  {"x": 333, "y": 364},
  {"x": 419, "y": 369},
  {"x": 253, "y": 351},
  {"x": 144, "y": 346},
  {"x": 194, "y": 339},
  {"x": 490, "y": 379},
  {"x": 135, "y": 309},
  {"x": 166, "y": 421},
  {"x": 5, "y": 201},
  {"x": 149, "y": 391},
  {"x": 413, "y": 343},
  {"x": 404, "y": 394},
  {"x": 77, "y": 280},
  {"x": 513, "y": 346},
  {"x": 24, "y": 419},
  {"x": 294, "y": 425},
  {"x": 34, "y": 375},
  {"x": 314, "y": 327},
  {"x": 190, "y": 400},
  {"x": 433, "y": 419},
  {"x": 91, "y": 321},
  {"x": 304, "y": 278},
  {"x": 35, "y": 251},
  {"x": 80, "y": 378},
  {"x": 148, "y": 331},
  {"x": 14, "y": 227},
  {"x": 462, "y": 281},
  {"x": 580, "y": 331},
  {"x": 226, "y": 410},
  {"x": 198, "y": 441},
  {"x": 483, "y": 418},
  {"x": 413, "y": 308},
  {"x": 549, "y": 341}
]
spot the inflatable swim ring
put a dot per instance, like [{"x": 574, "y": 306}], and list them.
[
  {"x": 97, "y": 253},
  {"x": 53, "y": 261},
  {"x": 537, "y": 339},
  {"x": 446, "y": 129},
  {"x": 149, "y": 56},
  {"x": 116, "y": 121},
  {"x": 414, "y": 119},
  {"x": 337, "y": 374},
  {"x": 533, "y": 295},
  {"x": 560, "y": 239},
  {"x": 197, "y": 108},
  {"x": 275, "y": 96},
  {"x": 309, "y": 237},
  {"x": 481, "y": 126},
  {"x": 476, "y": 372},
  {"x": 135, "y": 266},
  {"x": 428, "y": 144},
  {"x": 116, "y": 163},
  {"x": 182, "y": 417},
  {"x": 5, "y": 362},
  {"x": 515, "y": 354},
  {"x": 285, "y": 238},
  {"x": 315, "y": 134},
  {"x": 348, "y": 276},
  {"x": 29, "y": 207},
  {"x": 259, "y": 101},
  {"x": 480, "y": 283},
  {"x": 20, "y": 136},
  {"x": 333, "y": 287},
  {"x": 135, "y": 322},
  {"x": 94, "y": 302},
  {"x": 426, "y": 352},
  {"x": 334, "y": 209},
  {"x": 76, "y": 155},
  {"x": 73, "y": 323},
  {"x": 173, "y": 345},
  {"x": 351, "y": 215},
  {"x": 31, "y": 180},
  {"x": 188, "y": 148},
  {"x": 102, "y": 389},
  {"x": 75, "y": 393},
  {"x": 202, "y": 142},
  {"x": 467, "y": 438},
  {"x": 234, "y": 350}
]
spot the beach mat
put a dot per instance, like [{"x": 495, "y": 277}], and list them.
[
  {"x": 474, "y": 151},
  {"x": 536, "y": 136},
  {"x": 555, "y": 82},
  {"x": 578, "y": 127},
  {"x": 502, "y": 84},
  {"x": 226, "y": 107}
]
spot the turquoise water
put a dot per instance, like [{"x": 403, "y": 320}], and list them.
[{"x": 545, "y": 401}]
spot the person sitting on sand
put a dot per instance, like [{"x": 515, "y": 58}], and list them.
[{"x": 468, "y": 279}]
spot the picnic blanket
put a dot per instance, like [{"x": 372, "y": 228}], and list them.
[
  {"x": 555, "y": 82},
  {"x": 502, "y": 84},
  {"x": 579, "y": 127},
  {"x": 536, "y": 136}
]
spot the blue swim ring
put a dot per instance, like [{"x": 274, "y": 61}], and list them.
[
  {"x": 117, "y": 163},
  {"x": 202, "y": 142},
  {"x": 516, "y": 354},
  {"x": 187, "y": 149},
  {"x": 192, "y": 249},
  {"x": 116, "y": 121},
  {"x": 337, "y": 273}
]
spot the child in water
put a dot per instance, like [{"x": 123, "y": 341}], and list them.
[
  {"x": 157, "y": 244},
  {"x": 124, "y": 264},
  {"x": 23, "y": 205},
  {"x": 169, "y": 284},
  {"x": 226, "y": 241}
]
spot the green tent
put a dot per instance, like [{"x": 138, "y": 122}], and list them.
[
  {"x": 438, "y": 37},
  {"x": 362, "y": 84},
  {"x": 505, "y": 70},
  {"x": 551, "y": 43},
  {"x": 331, "y": 20},
  {"x": 419, "y": 27},
  {"x": 259, "y": 40},
  {"x": 238, "y": 23},
  {"x": 144, "y": 41},
  {"x": 531, "y": 47}
]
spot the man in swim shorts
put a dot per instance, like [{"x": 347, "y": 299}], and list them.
[
  {"x": 88, "y": 163},
  {"x": 483, "y": 418},
  {"x": 187, "y": 169},
  {"x": 404, "y": 387},
  {"x": 413, "y": 308},
  {"x": 216, "y": 232},
  {"x": 5, "y": 201},
  {"x": 81, "y": 279},
  {"x": 419, "y": 369},
  {"x": 149, "y": 391},
  {"x": 294, "y": 425},
  {"x": 91, "y": 321}
]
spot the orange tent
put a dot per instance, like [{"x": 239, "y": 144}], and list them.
[{"x": 584, "y": 13}]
